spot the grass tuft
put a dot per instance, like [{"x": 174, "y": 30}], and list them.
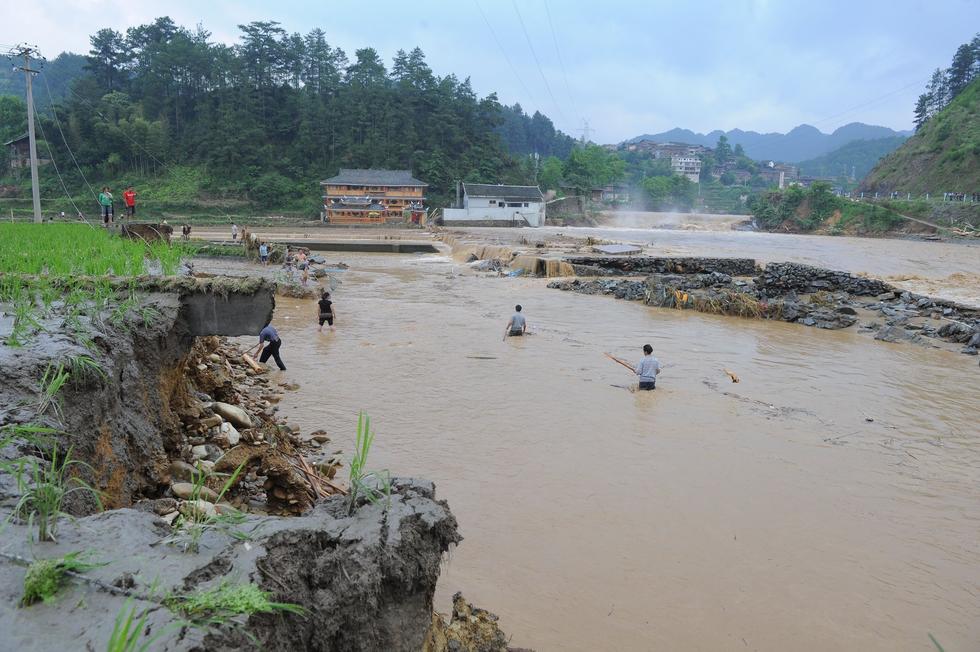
[
  {"x": 365, "y": 483},
  {"x": 225, "y": 601},
  {"x": 44, "y": 488},
  {"x": 45, "y": 577}
]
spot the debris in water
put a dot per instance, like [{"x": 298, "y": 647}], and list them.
[
  {"x": 731, "y": 374},
  {"x": 482, "y": 357}
]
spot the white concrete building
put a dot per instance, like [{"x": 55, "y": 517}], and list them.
[
  {"x": 497, "y": 205},
  {"x": 688, "y": 166}
]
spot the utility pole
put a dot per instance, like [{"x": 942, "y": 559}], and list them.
[
  {"x": 586, "y": 132},
  {"x": 26, "y": 51}
]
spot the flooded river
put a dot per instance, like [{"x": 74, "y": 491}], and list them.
[
  {"x": 950, "y": 270},
  {"x": 830, "y": 500}
]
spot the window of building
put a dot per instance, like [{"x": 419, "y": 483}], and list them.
[
  {"x": 493, "y": 202},
  {"x": 525, "y": 204},
  {"x": 514, "y": 204}
]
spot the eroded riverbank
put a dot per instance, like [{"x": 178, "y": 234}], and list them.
[{"x": 694, "y": 517}]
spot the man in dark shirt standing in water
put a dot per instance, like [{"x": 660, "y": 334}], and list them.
[{"x": 271, "y": 336}]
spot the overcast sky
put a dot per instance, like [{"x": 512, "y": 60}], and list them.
[{"x": 626, "y": 67}]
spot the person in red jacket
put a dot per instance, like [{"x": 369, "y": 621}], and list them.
[{"x": 129, "y": 196}]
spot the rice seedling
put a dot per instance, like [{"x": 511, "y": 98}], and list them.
[
  {"x": 52, "y": 381},
  {"x": 83, "y": 368},
  {"x": 223, "y": 602},
  {"x": 372, "y": 485},
  {"x": 44, "y": 489},
  {"x": 45, "y": 577},
  {"x": 128, "y": 631},
  {"x": 15, "y": 434}
]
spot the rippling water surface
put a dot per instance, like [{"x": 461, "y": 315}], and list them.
[{"x": 827, "y": 501}]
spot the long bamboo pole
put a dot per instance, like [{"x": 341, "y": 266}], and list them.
[{"x": 625, "y": 364}]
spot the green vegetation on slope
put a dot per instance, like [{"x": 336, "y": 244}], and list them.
[
  {"x": 817, "y": 208},
  {"x": 857, "y": 157},
  {"x": 943, "y": 155}
]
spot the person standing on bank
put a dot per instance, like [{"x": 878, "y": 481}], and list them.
[
  {"x": 325, "y": 311},
  {"x": 648, "y": 369},
  {"x": 129, "y": 196},
  {"x": 105, "y": 201},
  {"x": 269, "y": 345},
  {"x": 517, "y": 325},
  {"x": 234, "y": 232}
]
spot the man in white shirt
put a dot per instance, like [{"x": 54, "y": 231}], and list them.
[{"x": 647, "y": 369}]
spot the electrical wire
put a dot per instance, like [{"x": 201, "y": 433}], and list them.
[
  {"x": 133, "y": 141},
  {"x": 58, "y": 172},
  {"x": 561, "y": 61},
  {"x": 527, "y": 90},
  {"x": 870, "y": 102},
  {"x": 57, "y": 121},
  {"x": 534, "y": 54}
]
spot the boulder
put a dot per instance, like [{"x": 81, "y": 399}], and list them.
[
  {"x": 185, "y": 491},
  {"x": 211, "y": 421},
  {"x": 895, "y": 333},
  {"x": 182, "y": 471},
  {"x": 197, "y": 509},
  {"x": 227, "y": 435},
  {"x": 238, "y": 417}
]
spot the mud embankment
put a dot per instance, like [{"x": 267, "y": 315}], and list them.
[
  {"x": 181, "y": 439},
  {"x": 810, "y": 296}
]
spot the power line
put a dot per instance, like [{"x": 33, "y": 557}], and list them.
[
  {"x": 504, "y": 52},
  {"x": 57, "y": 121},
  {"x": 60, "y": 178},
  {"x": 534, "y": 54},
  {"x": 870, "y": 102},
  {"x": 27, "y": 52},
  {"x": 561, "y": 62}
]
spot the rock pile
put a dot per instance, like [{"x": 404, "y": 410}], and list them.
[
  {"x": 641, "y": 265},
  {"x": 779, "y": 278},
  {"x": 791, "y": 292},
  {"x": 228, "y": 419}
]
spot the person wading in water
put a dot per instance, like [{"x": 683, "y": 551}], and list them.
[
  {"x": 517, "y": 325},
  {"x": 646, "y": 370},
  {"x": 271, "y": 336},
  {"x": 325, "y": 311}
]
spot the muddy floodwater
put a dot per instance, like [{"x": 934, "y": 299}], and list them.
[
  {"x": 830, "y": 500},
  {"x": 949, "y": 270}
]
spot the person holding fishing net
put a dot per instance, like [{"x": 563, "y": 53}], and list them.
[{"x": 647, "y": 369}]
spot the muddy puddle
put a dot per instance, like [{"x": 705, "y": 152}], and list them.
[{"x": 828, "y": 501}]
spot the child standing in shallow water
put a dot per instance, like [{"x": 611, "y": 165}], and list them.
[{"x": 325, "y": 311}]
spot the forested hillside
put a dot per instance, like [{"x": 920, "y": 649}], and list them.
[
  {"x": 269, "y": 117},
  {"x": 57, "y": 76},
  {"x": 853, "y": 159},
  {"x": 943, "y": 155}
]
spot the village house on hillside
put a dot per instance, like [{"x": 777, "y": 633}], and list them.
[
  {"x": 687, "y": 166},
  {"x": 373, "y": 197},
  {"x": 479, "y": 204},
  {"x": 20, "y": 153}
]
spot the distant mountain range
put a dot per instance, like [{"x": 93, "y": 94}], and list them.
[{"x": 800, "y": 144}]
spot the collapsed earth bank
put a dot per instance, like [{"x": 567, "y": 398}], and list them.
[{"x": 156, "y": 409}]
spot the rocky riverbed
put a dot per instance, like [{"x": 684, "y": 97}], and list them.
[{"x": 802, "y": 294}]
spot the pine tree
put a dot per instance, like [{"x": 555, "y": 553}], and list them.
[
  {"x": 961, "y": 70},
  {"x": 922, "y": 110}
]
